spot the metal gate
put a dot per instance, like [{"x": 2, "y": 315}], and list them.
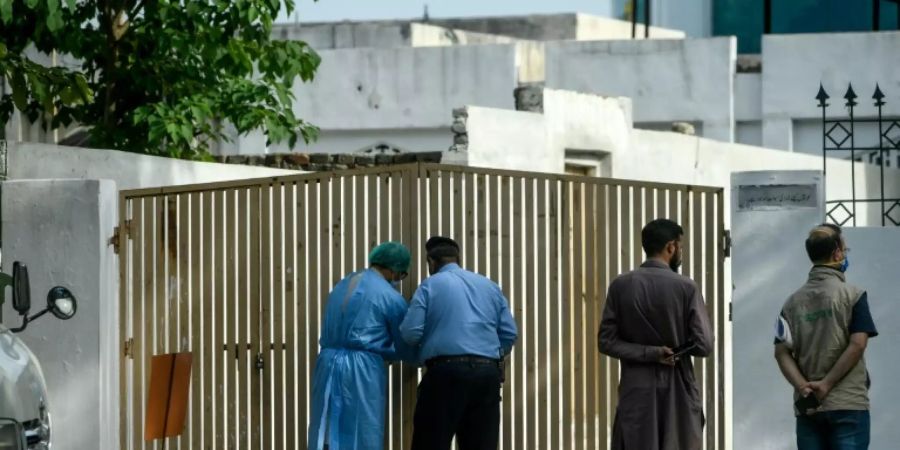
[{"x": 237, "y": 273}]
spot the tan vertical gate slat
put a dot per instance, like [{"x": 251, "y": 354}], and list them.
[
  {"x": 142, "y": 229},
  {"x": 218, "y": 319},
  {"x": 196, "y": 411},
  {"x": 337, "y": 221},
  {"x": 568, "y": 315},
  {"x": 530, "y": 333},
  {"x": 553, "y": 272},
  {"x": 697, "y": 273},
  {"x": 397, "y": 381},
  {"x": 361, "y": 209},
  {"x": 184, "y": 329},
  {"x": 541, "y": 303},
  {"x": 313, "y": 263},
  {"x": 243, "y": 349},
  {"x": 468, "y": 258},
  {"x": 621, "y": 258},
  {"x": 720, "y": 315},
  {"x": 254, "y": 307},
  {"x": 159, "y": 276},
  {"x": 292, "y": 350},
  {"x": 411, "y": 208},
  {"x": 504, "y": 280},
  {"x": 229, "y": 344},
  {"x": 590, "y": 298},
  {"x": 578, "y": 302},
  {"x": 434, "y": 223},
  {"x": 480, "y": 234},
  {"x": 304, "y": 318},
  {"x": 170, "y": 299},
  {"x": 661, "y": 195},
  {"x": 494, "y": 227},
  {"x": 446, "y": 202},
  {"x": 458, "y": 207},
  {"x": 518, "y": 308},
  {"x": 603, "y": 280},
  {"x": 709, "y": 265},
  {"x": 206, "y": 324},
  {"x": 637, "y": 223},
  {"x": 277, "y": 318}
]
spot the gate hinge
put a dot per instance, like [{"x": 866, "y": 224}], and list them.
[
  {"x": 260, "y": 364},
  {"x": 730, "y": 308},
  {"x": 726, "y": 243},
  {"x": 129, "y": 348},
  {"x": 119, "y": 235}
]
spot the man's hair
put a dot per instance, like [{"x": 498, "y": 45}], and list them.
[
  {"x": 657, "y": 234},
  {"x": 822, "y": 241},
  {"x": 444, "y": 254}
]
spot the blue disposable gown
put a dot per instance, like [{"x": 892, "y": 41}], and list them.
[{"x": 360, "y": 331}]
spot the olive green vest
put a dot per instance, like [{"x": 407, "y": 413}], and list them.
[{"x": 819, "y": 315}]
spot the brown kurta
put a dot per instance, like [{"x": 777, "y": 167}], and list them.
[{"x": 659, "y": 406}]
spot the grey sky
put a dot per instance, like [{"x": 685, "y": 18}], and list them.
[{"x": 336, "y": 10}]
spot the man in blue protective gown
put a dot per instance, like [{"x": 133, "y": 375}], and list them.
[{"x": 360, "y": 331}]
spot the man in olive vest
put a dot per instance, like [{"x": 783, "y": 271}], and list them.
[{"x": 821, "y": 335}]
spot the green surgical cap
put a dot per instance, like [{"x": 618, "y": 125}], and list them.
[{"x": 391, "y": 255}]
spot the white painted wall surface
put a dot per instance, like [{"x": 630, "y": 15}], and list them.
[
  {"x": 60, "y": 230},
  {"x": 668, "y": 80},
  {"x": 405, "y": 87},
  {"x": 503, "y": 139},
  {"x": 794, "y": 65},
  {"x": 128, "y": 170}
]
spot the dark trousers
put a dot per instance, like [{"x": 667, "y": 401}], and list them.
[
  {"x": 461, "y": 399},
  {"x": 834, "y": 430}
]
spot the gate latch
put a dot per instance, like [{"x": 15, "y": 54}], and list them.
[{"x": 260, "y": 364}]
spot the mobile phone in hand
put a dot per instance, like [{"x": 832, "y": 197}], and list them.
[{"x": 683, "y": 349}]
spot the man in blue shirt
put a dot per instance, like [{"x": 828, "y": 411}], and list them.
[{"x": 462, "y": 326}]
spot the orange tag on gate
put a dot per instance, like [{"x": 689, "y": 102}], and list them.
[{"x": 170, "y": 381}]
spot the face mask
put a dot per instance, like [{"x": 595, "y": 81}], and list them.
[{"x": 845, "y": 264}]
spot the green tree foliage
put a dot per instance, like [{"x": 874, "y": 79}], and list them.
[{"x": 166, "y": 76}]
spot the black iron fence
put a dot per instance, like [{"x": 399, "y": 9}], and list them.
[{"x": 843, "y": 135}]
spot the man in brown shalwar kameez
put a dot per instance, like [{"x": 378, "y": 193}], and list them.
[{"x": 649, "y": 312}]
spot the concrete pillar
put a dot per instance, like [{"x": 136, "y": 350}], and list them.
[
  {"x": 60, "y": 230},
  {"x": 771, "y": 214}
]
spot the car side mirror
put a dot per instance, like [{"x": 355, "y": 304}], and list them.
[
  {"x": 61, "y": 303},
  {"x": 21, "y": 289}
]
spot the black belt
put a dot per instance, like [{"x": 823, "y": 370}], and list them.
[{"x": 466, "y": 359}]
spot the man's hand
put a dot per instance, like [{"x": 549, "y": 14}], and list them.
[
  {"x": 666, "y": 356},
  {"x": 820, "y": 388}
]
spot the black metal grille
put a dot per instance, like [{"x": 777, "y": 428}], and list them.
[{"x": 839, "y": 135}]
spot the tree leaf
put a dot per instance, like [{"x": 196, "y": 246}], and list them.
[
  {"x": 19, "y": 90},
  {"x": 55, "y": 21},
  {"x": 31, "y": 4},
  {"x": 52, "y": 6},
  {"x": 6, "y": 11}
]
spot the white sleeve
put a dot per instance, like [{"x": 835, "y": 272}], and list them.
[{"x": 783, "y": 332}]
